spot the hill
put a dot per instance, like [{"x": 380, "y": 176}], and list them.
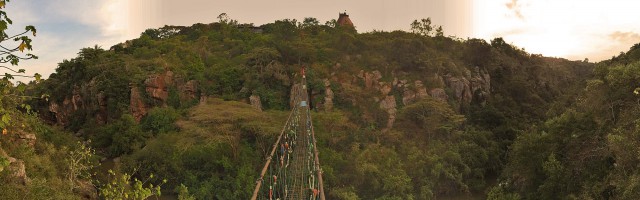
[{"x": 399, "y": 115}]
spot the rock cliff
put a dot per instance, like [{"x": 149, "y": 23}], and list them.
[
  {"x": 472, "y": 86},
  {"x": 154, "y": 91}
]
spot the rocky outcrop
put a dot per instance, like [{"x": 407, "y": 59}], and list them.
[
  {"x": 385, "y": 89},
  {"x": 477, "y": 87},
  {"x": 255, "y": 102},
  {"x": 413, "y": 93},
  {"x": 460, "y": 88},
  {"x": 101, "y": 115},
  {"x": 439, "y": 94},
  {"x": 370, "y": 79},
  {"x": 471, "y": 86},
  {"x": 88, "y": 97},
  {"x": 62, "y": 111},
  {"x": 421, "y": 91},
  {"x": 26, "y": 138},
  {"x": 137, "y": 107},
  {"x": 388, "y": 104},
  {"x": 328, "y": 96},
  {"x": 438, "y": 81},
  {"x": 156, "y": 86},
  {"x": 76, "y": 99},
  {"x": 17, "y": 171},
  {"x": 408, "y": 96},
  {"x": 85, "y": 97},
  {"x": 189, "y": 90}
]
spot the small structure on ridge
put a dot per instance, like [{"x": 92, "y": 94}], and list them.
[{"x": 344, "y": 20}]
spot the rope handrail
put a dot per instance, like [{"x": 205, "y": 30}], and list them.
[
  {"x": 297, "y": 175},
  {"x": 266, "y": 165}
]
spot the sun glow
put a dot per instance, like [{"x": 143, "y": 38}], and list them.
[
  {"x": 117, "y": 15},
  {"x": 574, "y": 29}
]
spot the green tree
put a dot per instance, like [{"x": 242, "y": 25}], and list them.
[
  {"x": 183, "y": 193},
  {"x": 423, "y": 27},
  {"x": 122, "y": 187},
  {"x": 123, "y": 136},
  {"x": 433, "y": 117},
  {"x": 12, "y": 52},
  {"x": 160, "y": 120},
  {"x": 13, "y": 46},
  {"x": 80, "y": 163}
]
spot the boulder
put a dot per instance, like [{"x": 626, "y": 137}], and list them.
[
  {"x": 17, "y": 172},
  {"x": 255, "y": 102}
]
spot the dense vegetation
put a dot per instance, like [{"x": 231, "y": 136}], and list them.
[
  {"x": 550, "y": 129},
  {"x": 589, "y": 150}
]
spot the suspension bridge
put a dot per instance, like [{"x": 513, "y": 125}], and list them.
[{"x": 292, "y": 169}]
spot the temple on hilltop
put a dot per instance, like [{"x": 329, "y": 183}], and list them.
[{"x": 344, "y": 20}]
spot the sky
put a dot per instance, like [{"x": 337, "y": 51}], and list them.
[{"x": 572, "y": 29}]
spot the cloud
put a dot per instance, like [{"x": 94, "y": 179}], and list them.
[
  {"x": 64, "y": 27},
  {"x": 516, "y": 8},
  {"x": 625, "y": 37},
  {"x": 511, "y": 32},
  {"x": 606, "y": 45}
]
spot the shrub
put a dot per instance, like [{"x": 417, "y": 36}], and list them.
[{"x": 160, "y": 120}]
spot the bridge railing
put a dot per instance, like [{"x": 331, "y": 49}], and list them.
[{"x": 303, "y": 179}]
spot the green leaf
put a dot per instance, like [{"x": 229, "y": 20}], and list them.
[
  {"x": 21, "y": 87},
  {"x": 21, "y": 71},
  {"x": 32, "y": 29},
  {"x": 6, "y": 119},
  {"x": 3, "y": 25}
]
